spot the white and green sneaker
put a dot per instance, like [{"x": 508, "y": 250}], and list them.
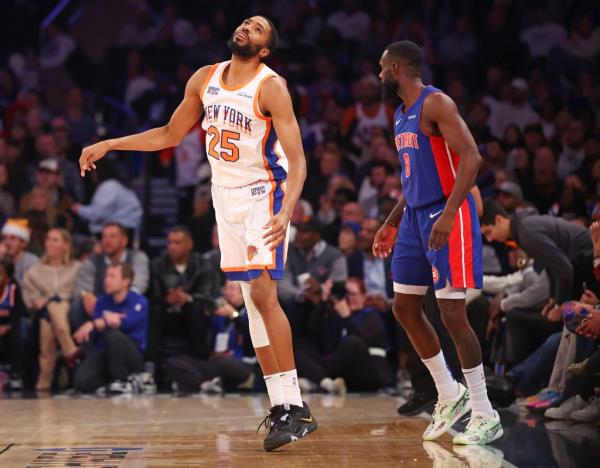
[
  {"x": 446, "y": 413},
  {"x": 482, "y": 429}
]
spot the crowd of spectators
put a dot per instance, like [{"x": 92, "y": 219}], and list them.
[{"x": 521, "y": 74}]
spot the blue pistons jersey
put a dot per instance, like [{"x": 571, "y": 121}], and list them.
[{"x": 428, "y": 164}]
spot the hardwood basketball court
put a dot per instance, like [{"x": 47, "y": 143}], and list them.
[{"x": 161, "y": 431}]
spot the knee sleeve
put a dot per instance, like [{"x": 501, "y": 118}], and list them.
[{"x": 258, "y": 332}]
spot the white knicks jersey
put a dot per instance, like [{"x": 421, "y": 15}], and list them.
[{"x": 241, "y": 143}]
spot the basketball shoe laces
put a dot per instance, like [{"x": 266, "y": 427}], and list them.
[
  {"x": 274, "y": 419},
  {"x": 440, "y": 406},
  {"x": 475, "y": 422}
]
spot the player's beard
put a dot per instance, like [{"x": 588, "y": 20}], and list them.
[
  {"x": 245, "y": 51},
  {"x": 390, "y": 90}
]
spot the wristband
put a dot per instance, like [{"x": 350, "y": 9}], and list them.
[{"x": 390, "y": 223}]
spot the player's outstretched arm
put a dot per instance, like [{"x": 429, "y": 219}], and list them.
[
  {"x": 275, "y": 99},
  {"x": 185, "y": 116},
  {"x": 441, "y": 111}
]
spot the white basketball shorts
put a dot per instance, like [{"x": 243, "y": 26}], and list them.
[{"x": 242, "y": 213}]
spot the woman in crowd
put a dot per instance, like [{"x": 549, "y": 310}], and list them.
[{"x": 47, "y": 290}]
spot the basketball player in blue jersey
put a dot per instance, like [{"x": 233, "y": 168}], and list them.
[
  {"x": 434, "y": 233},
  {"x": 258, "y": 168}
]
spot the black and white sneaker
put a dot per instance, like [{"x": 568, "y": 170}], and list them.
[{"x": 287, "y": 424}]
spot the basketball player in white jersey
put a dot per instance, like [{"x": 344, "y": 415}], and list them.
[{"x": 258, "y": 168}]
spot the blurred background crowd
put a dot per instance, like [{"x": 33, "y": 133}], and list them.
[{"x": 138, "y": 237}]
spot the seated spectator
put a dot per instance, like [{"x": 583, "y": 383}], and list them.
[
  {"x": 310, "y": 262},
  {"x": 352, "y": 340},
  {"x": 520, "y": 304},
  {"x": 546, "y": 185},
  {"x": 80, "y": 125},
  {"x": 47, "y": 148},
  {"x": 510, "y": 197},
  {"x": 317, "y": 183},
  {"x": 15, "y": 238},
  {"x": 375, "y": 272},
  {"x": 382, "y": 188},
  {"x": 47, "y": 291},
  {"x": 230, "y": 365},
  {"x": 372, "y": 185},
  {"x": 37, "y": 213},
  {"x": 7, "y": 200},
  {"x": 459, "y": 45},
  {"x": 182, "y": 283},
  {"x": 348, "y": 239},
  {"x": 515, "y": 109},
  {"x": 90, "y": 280},
  {"x": 202, "y": 219},
  {"x": 12, "y": 310},
  {"x": 369, "y": 112},
  {"x": 213, "y": 257},
  {"x": 117, "y": 331},
  {"x": 112, "y": 201},
  {"x": 48, "y": 179}
]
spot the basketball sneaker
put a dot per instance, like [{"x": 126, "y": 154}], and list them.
[
  {"x": 446, "y": 413},
  {"x": 482, "y": 429},
  {"x": 287, "y": 424}
]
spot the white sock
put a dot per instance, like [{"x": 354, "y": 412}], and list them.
[
  {"x": 480, "y": 402},
  {"x": 446, "y": 386},
  {"x": 275, "y": 389},
  {"x": 291, "y": 390}
]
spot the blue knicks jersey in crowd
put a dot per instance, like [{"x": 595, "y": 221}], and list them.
[{"x": 428, "y": 164}]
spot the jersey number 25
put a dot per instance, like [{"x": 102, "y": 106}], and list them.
[{"x": 229, "y": 150}]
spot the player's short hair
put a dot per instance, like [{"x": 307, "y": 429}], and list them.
[
  {"x": 491, "y": 209},
  {"x": 408, "y": 53},
  {"x": 273, "y": 42}
]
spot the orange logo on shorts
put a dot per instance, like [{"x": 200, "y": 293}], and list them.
[
  {"x": 252, "y": 252},
  {"x": 435, "y": 274}
]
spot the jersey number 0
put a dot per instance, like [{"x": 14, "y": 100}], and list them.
[{"x": 229, "y": 150}]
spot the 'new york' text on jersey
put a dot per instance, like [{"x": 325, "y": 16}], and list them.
[{"x": 241, "y": 143}]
